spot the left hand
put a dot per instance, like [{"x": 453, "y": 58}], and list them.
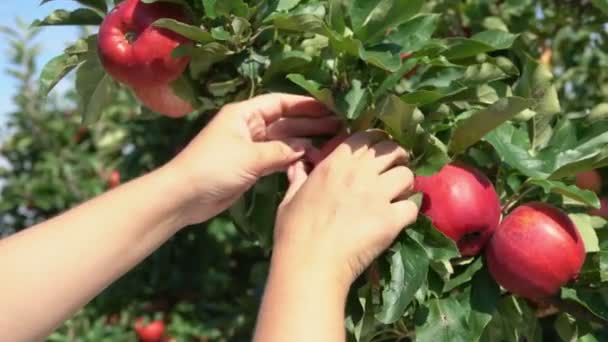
[{"x": 245, "y": 141}]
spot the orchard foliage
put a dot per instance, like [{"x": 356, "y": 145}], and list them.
[{"x": 517, "y": 89}]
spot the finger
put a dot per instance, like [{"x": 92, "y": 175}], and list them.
[
  {"x": 387, "y": 154},
  {"x": 277, "y": 155},
  {"x": 397, "y": 183},
  {"x": 274, "y": 106},
  {"x": 404, "y": 213},
  {"x": 297, "y": 177},
  {"x": 360, "y": 142},
  {"x": 302, "y": 127}
]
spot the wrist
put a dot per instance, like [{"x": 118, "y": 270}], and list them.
[{"x": 311, "y": 271}]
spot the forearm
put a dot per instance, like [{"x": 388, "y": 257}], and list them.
[
  {"x": 51, "y": 270},
  {"x": 300, "y": 304}
]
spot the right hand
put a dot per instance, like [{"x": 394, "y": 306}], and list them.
[{"x": 339, "y": 218}]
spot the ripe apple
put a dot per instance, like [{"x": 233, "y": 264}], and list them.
[
  {"x": 462, "y": 203},
  {"x": 535, "y": 250},
  {"x": 114, "y": 179},
  {"x": 603, "y": 210},
  {"x": 153, "y": 332},
  {"x": 410, "y": 73},
  {"x": 589, "y": 180},
  {"x": 135, "y": 52},
  {"x": 162, "y": 100}
]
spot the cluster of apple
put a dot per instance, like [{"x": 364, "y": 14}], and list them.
[
  {"x": 532, "y": 252},
  {"x": 139, "y": 55}
]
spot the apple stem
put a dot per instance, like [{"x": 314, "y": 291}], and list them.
[{"x": 515, "y": 198}]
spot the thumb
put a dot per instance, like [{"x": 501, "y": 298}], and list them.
[
  {"x": 277, "y": 155},
  {"x": 296, "y": 173}
]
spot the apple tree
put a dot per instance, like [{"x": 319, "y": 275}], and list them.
[{"x": 501, "y": 103}]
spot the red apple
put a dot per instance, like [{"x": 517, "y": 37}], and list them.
[
  {"x": 535, "y": 250},
  {"x": 135, "y": 52},
  {"x": 114, "y": 179},
  {"x": 603, "y": 210},
  {"x": 589, "y": 180},
  {"x": 162, "y": 100},
  {"x": 462, "y": 203},
  {"x": 153, "y": 332}
]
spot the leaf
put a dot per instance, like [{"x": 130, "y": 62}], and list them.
[
  {"x": 371, "y": 19},
  {"x": 536, "y": 83},
  {"x": 409, "y": 266},
  {"x": 204, "y": 57},
  {"x": 285, "y": 5},
  {"x": 300, "y": 23},
  {"x": 79, "y": 17},
  {"x": 354, "y": 101},
  {"x": 508, "y": 141},
  {"x": 436, "y": 245},
  {"x": 285, "y": 63},
  {"x": 55, "y": 70},
  {"x": 94, "y": 85},
  {"x": 595, "y": 269},
  {"x": 422, "y": 97},
  {"x": 400, "y": 119},
  {"x": 463, "y": 277},
  {"x": 324, "y": 95},
  {"x": 472, "y": 129},
  {"x": 482, "y": 42},
  {"x": 513, "y": 321},
  {"x": 433, "y": 156},
  {"x": 445, "y": 321},
  {"x": 601, "y": 4},
  {"x": 189, "y": 31},
  {"x": 585, "y": 196},
  {"x": 589, "y": 299},
  {"x": 583, "y": 224},
  {"x": 483, "y": 298},
  {"x": 415, "y": 33}
]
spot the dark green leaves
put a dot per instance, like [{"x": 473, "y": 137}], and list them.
[
  {"x": 482, "y": 42},
  {"x": 371, "y": 19},
  {"x": 409, "y": 266},
  {"x": 470, "y": 130},
  {"x": 80, "y": 16}
]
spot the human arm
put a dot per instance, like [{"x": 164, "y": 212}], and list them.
[
  {"x": 49, "y": 271},
  {"x": 330, "y": 227}
]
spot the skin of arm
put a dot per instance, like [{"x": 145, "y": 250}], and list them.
[
  {"x": 331, "y": 225},
  {"x": 49, "y": 271}
]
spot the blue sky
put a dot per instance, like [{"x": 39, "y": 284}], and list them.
[{"x": 52, "y": 39}]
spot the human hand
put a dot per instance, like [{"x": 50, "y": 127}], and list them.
[
  {"x": 338, "y": 219},
  {"x": 245, "y": 141}
]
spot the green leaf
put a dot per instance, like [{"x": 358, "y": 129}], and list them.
[
  {"x": 601, "y": 4},
  {"x": 55, "y": 70},
  {"x": 513, "y": 321},
  {"x": 422, "y": 97},
  {"x": 433, "y": 156},
  {"x": 409, "y": 266},
  {"x": 436, "y": 245},
  {"x": 93, "y": 84},
  {"x": 583, "y": 224},
  {"x": 204, "y": 57},
  {"x": 189, "y": 31},
  {"x": 324, "y": 95},
  {"x": 79, "y": 17},
  {"x": 400, "y": 119},
  {"x": 536, "y": 83},
  {"x": 483, "y": 298},
  {"x": 371, "y": 19},
  {"x": 510, "y": 143},
  {"x": 285, "y": 63},
  {"x": 284, "y": 5},
  {"x": 482, "y": 42},
  {"x": 354, "y": 101},
  {"x": 589, "y": 299},
  {"x": 415, "y": 33},
  {"x": 300, "y": 23},
  {"x": 595, "y": 269},
  {"x": 445, "y": 321},
  {"x": 463, "y": 277},
  {"x": 472, "y": 129},
  {"x": 585, "y": 196}
]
